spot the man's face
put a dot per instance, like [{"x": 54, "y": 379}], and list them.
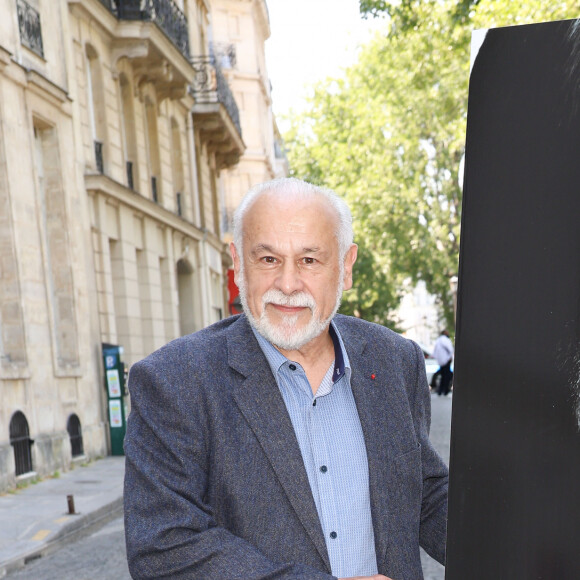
[{"x": 292, "y": 277}]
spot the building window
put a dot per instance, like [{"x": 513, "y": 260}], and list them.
[
  {"x": 96, "y": 105},
  {"x": 225, "y": 53},
  {"x": 177, "y": 166},
  {"x": 29, "y": 25},
  {"x": 152, "y": 134},
  {"x": 130, "y": 179},
  {"x": 129, "y": 130},
  {"x": 99, "y": 157},
  {"x": 73, "y": 426},
  {"x": 21, "y": 442}
]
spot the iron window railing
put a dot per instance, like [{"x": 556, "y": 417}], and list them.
[
  {"x": 99, "y": 157},
  {"x": 130, "y": 182},
  {"x": 211, "y": 86},
  {"x": 164, "y": 13},
  {"x": 110, "y": 4},
  {"x": 29, "y": 25},
  {"x": 178, "y": 202},
  {"x": 154, "y": 189}
]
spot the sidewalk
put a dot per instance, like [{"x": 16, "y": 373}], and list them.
[{"x": 34, "y": 521}]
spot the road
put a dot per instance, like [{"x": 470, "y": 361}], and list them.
[
  {"x": 440, "y": 435},
  {"x": 101, "y": 556}
]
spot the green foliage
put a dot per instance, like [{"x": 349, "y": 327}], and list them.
[
  {"x": 406, "y": 13},
  {"x": 389, "y": 136}
]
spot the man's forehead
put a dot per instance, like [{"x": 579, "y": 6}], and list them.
[
  {"x": 261, "y": 247},
  {"x": 293, "y": 212},
  {"x": 282, "y": 199}
]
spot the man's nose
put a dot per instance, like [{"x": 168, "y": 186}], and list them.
[{"x": 289, "y": 279}]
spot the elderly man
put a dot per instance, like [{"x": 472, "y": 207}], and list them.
[{"x": 289, "y": 442}]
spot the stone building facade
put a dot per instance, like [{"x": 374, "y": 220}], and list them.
[
  {"x": 116, "y": 130},
  {"x": 240, "y": 29}
]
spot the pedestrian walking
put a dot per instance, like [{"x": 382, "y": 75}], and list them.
[{"x": 443, "y": 354}]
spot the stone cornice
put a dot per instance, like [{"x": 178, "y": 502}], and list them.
[
  {"x": 5, "y": 58},
  {"x": 45, "y": 88},
  {"x": 97, "y": 184}
]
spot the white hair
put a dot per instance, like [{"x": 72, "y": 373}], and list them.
[{"x": 298, "y": 189}]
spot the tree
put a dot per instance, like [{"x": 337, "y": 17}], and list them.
[{"x": 389, "y": 137}]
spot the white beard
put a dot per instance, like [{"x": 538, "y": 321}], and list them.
[{"x": 285, "y": 335}]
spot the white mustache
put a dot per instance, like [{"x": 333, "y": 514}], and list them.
[{"x": 297, "y": 300}]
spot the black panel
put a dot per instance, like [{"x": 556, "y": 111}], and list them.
[{"x": 514, "y": 507}]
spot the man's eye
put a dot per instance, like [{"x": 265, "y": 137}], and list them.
[
  {"x": 269, "y": 259},
  {"x": 309, "y": 260}
]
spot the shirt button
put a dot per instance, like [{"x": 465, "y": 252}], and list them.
[
  {"x": 314, "y": 403},
  {"x": 333, "y": 535},
  {"x": 292, "y": 367},
  {"x": 323, "y": 468}
]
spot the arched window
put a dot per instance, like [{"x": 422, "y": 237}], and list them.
[
  {"x": 75, "y": 433},
  {"x": 20, "y": 440}
]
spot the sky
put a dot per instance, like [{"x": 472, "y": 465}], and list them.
[{"x": 311, "y": 40}]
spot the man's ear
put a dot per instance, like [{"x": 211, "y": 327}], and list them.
[
  {"x": 236, "y": 260},
  {"x": 349, "y": 261}
]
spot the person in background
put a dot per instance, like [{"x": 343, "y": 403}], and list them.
[
  {"x": 288, "y": 442},
  {"x": 443, "y": 354}
]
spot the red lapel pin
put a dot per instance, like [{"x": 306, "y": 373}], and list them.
[{"x": 373, "y": 376}]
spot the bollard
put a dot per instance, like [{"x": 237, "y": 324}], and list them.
[{"x": 71, "y": 505}]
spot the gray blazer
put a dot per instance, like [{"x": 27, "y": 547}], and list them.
[{"x": 215, "y": 485}]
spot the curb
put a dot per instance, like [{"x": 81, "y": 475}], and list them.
[{"x": 82, "y": 526}]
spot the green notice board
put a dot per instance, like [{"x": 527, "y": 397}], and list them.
[{"x": 116, "y": 402}]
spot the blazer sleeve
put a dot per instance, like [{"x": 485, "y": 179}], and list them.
[
  {"x": 169, "y": 528},
  {"x": 432, "y": 535}
]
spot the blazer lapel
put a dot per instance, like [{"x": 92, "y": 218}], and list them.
[
  {"x": 374, "y": 390},
  {"x": 263, "y": 407}
]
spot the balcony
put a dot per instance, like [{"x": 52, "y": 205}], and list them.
[
  {"x": 151, "y": 34},
  {"x": 215, "y": 111},
  {"x": 163, "y": 13}
]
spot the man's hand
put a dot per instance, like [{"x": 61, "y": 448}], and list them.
[{"x": 375, "y": 577}]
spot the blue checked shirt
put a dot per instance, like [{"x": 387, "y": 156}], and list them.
[{"x": 331, "y": 441}]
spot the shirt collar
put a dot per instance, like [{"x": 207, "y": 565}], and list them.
[{"x": 276, "y": 359}]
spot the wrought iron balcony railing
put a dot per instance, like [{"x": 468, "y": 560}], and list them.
[
  {"x": 29, "y": 25},
  {"x": 164, "y": 13},
  {"x": 210, "y": 86}
]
